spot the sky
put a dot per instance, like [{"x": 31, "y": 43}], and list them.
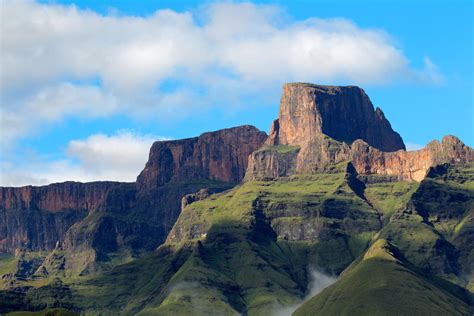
[{"x": 87, "y": 86}]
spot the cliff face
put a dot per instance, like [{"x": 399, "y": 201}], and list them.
[
  {"x": 37, "y": 218},
  {"x": 409, "y": 165},
  {"x": 56, "y": 197},
  {"x": 221, "y": 156},
  {"x": 342, "y": 113}
]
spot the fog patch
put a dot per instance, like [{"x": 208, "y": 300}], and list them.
[{"x": 318, "y": 282}]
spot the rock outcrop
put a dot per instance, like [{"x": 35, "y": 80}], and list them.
[
  {"x": 321, "y": 126},
  {"x": 342, "y": 113},
  {"x": 220, "y": 156},
  {"x": 409, "y": 165}
]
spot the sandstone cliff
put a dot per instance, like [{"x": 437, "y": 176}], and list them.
[
  {"x": 221, "y": 156},
  {"x": 342, "y": 113},
  {"x": 37, "y": 218}
]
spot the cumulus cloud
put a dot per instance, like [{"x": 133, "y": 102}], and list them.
[
  {"x": 59, "y": 61},
  {"x": 118, "y": 157}
]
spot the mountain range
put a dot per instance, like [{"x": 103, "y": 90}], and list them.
[{"x": 327, "y": 215}]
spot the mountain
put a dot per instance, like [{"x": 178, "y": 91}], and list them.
[
  {"x": 95, "y": 225},
  {"x": 233, "y": 223},
  {"x": 421, "y": 262}
]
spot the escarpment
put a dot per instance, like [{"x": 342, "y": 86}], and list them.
[{"x": 110, "y": 217}]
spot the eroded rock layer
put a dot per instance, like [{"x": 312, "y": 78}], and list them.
[
  {"x": 409, "y": 165},
  {"x": 321, "y": 126}
]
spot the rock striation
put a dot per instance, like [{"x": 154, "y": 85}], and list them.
[
  {"x": 37, "y": 218},
  {"x": 57, "y": 196},
  {"x": 342, "y": 113}
]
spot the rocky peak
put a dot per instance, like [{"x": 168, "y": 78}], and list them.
[
  {"x": 342, "y": 113},
  {"x": 221, "y": 155}
]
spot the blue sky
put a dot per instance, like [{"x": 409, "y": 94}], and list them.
[{"x": 86, "y": 89}]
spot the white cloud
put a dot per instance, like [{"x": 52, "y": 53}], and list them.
[
  {"x": 118, "y": 157},
  {"x": 220, "y": 53}
]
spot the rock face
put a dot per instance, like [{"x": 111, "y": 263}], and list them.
[
  {"x": 342, "y": 113},
  {"x": 221, "y": 156},
  {"x": 37, "y": 217},
  {"x": 56, "y": 197},
  {"x": 409, "y": 165}
]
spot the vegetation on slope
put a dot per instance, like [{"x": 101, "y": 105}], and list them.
[{"x": 383, "y": 283}]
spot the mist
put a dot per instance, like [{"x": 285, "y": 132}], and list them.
[{"x": 318, "y": 282}]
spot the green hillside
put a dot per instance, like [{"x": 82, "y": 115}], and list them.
[
  {"x": 383, "y": 283},
  {"x": 250, "y": 250}
]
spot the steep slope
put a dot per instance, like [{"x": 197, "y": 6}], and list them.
[
  {"x": 254, "y": 244},
  {"x": 384, "y": 283},
  {"x": 421, "y": 262},
  {"x": 243, "y": 251}
]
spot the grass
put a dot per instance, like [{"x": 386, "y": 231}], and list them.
[
  {"x": 281, "y": 149},
  {"x": 243, "y": 247},
  {"x": 390, "y": 197},
  {"x": 248, "y": 251},
  {"x": 383, "y": 284},
  {"x": 45, "y": 312},
  {"x": 7, "y": 263}
]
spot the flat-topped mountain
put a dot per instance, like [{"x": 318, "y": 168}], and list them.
[
  {"x": 342, "y": 113},
  {"x": 321, "y": 126}
]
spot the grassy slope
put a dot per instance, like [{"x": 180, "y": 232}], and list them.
[
  {"x": 382, "y": 283},
  {"x": 238, "y": 251},
  {"x": 241, "y": 265},
  {"x": 433, "y": 239}
]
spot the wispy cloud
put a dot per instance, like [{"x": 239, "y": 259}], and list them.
[
  {"x": 318, "y": 282},
  {"x": 413, "y": 146},
  {"x": 118, "y": 157},
  {"x": 59, "y": 61}
]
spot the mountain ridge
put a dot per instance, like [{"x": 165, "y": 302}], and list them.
[{"x": 232, "y": 222}]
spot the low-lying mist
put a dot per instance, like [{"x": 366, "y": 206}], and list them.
[{"x": 318, "y": 282}]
